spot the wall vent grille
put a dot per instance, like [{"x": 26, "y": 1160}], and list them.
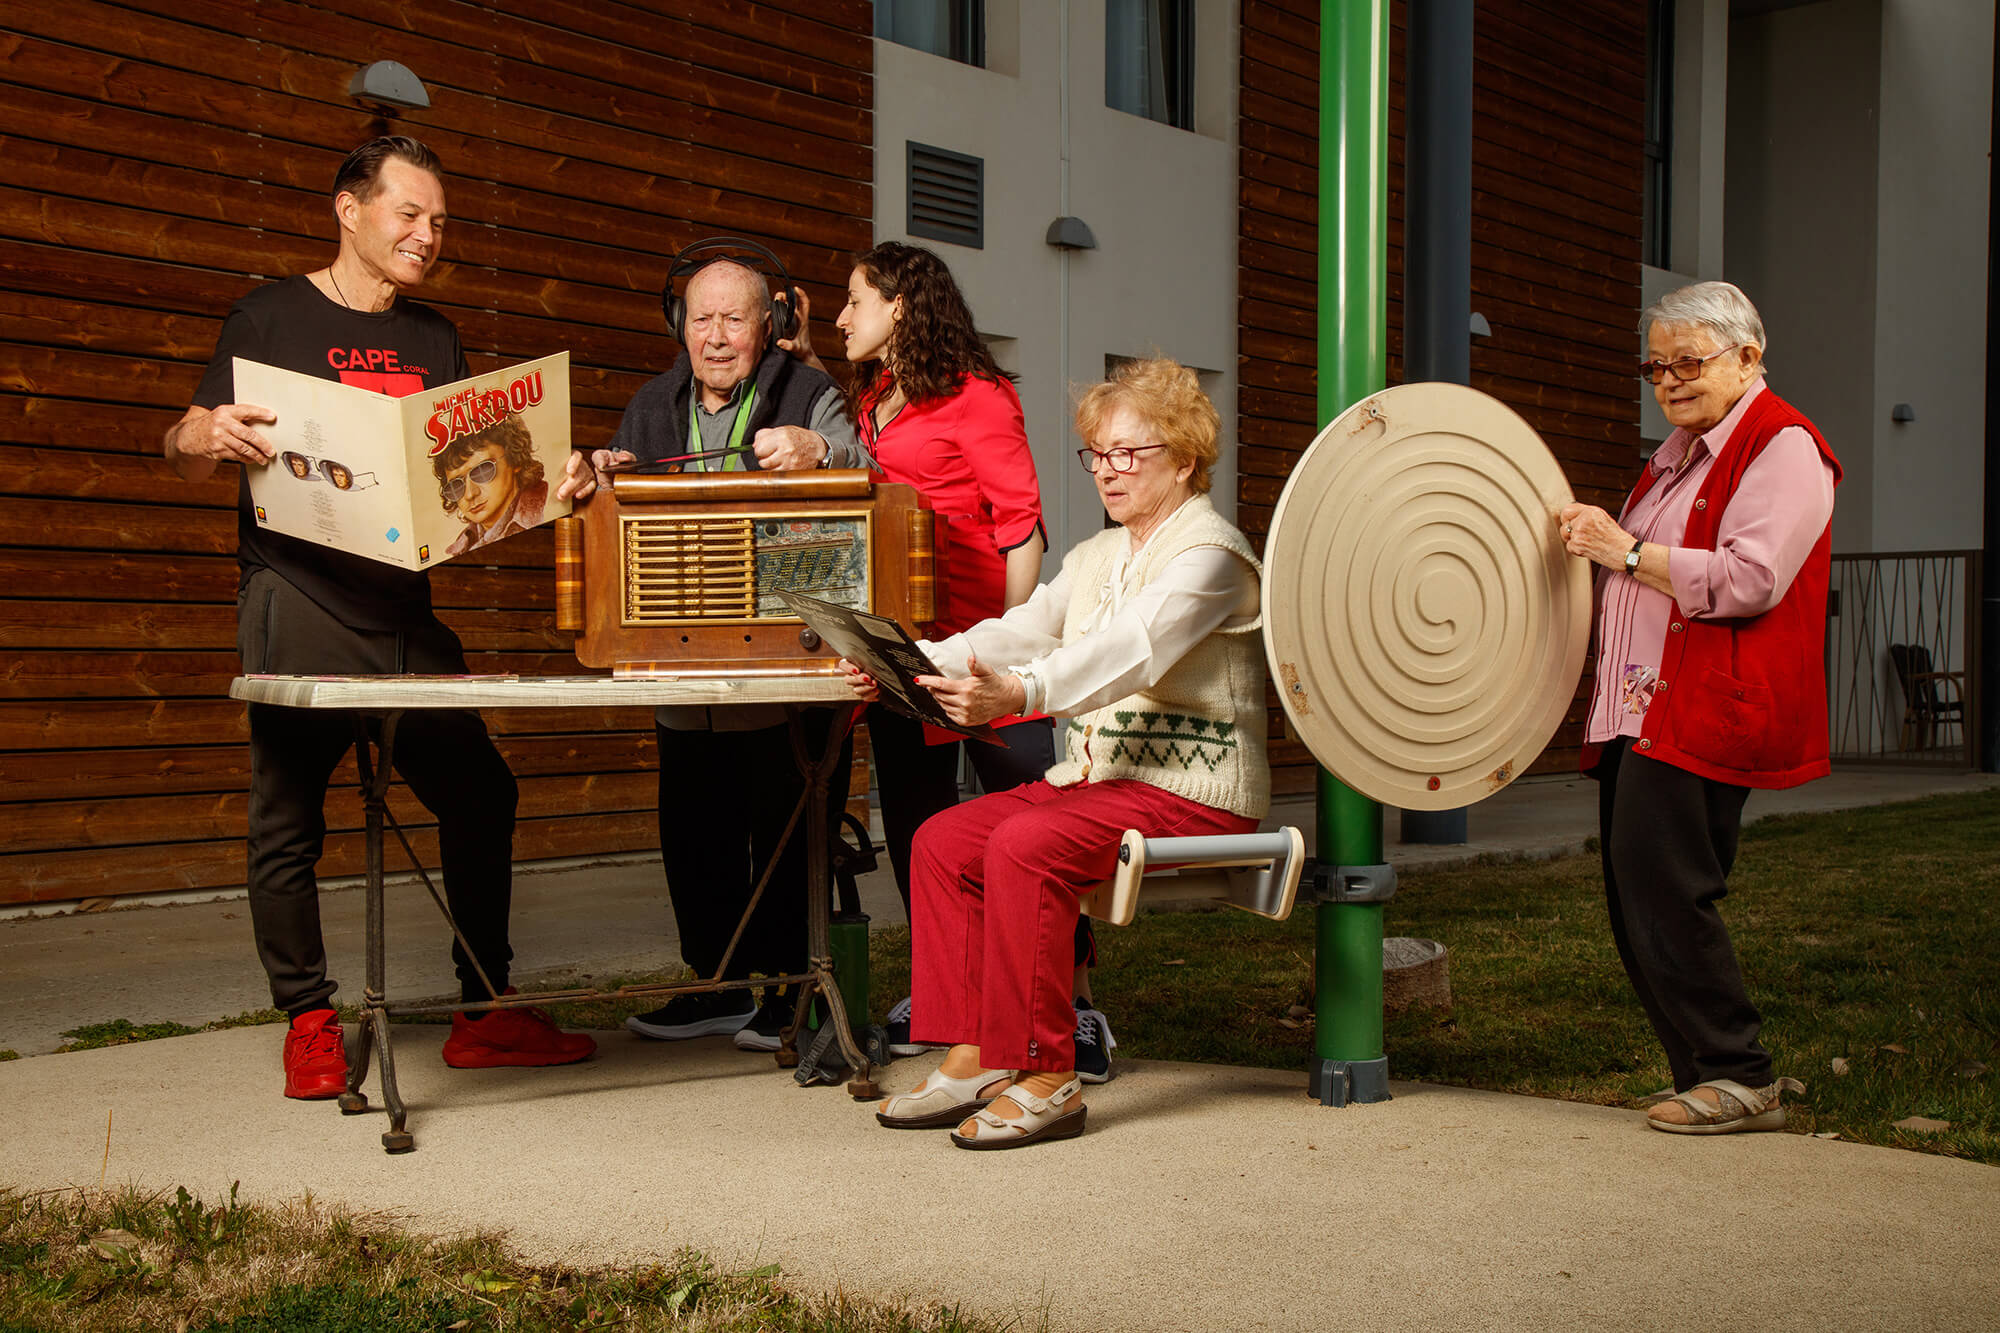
[{"x": 947, "y": 196}]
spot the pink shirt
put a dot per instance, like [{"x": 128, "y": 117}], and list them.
[{"x": 1781, "y": 506}]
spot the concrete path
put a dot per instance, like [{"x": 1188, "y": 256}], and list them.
[
  {"x": 1200, "y": 1198},
  {"x": 1203, "y": 1197}
]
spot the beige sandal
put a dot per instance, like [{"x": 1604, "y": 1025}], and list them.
[
  {"x": 1040, "y": 1118},
  {"x": 1740, "y": 1109},
  {"x": 941, "y": 1100}
]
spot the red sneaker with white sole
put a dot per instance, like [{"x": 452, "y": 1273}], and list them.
[{"x": 315, "y": 1057}]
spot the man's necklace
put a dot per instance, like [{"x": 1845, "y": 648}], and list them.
[{"x": 343, "y": 295}]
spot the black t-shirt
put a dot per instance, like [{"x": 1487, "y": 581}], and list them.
[{"x": 409, "y": 347}]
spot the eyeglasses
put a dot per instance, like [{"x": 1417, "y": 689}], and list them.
[
  {"x": 1118, "y": 460},
  {"x": 481, "y": 473},
  {"x": 338, "y": 475},
  {"x": 1685, "y": 368}
]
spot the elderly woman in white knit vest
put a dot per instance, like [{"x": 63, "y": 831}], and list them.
[{"x": 1147, "y": 645}]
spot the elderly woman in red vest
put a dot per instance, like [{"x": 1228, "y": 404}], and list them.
[{"x": 1711, "y": 616}]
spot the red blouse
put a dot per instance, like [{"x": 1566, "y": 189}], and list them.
[{"x": 968, "y": 455}]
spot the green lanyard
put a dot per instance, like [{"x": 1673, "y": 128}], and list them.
[{"x": 736, "y": 431}]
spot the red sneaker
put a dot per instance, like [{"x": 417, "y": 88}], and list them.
[
  {"x": 512, "y": 1037},
  {"x": 315, "y": 1057}
]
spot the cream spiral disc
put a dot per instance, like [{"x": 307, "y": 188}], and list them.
[{"x": 1425, "y": 628}]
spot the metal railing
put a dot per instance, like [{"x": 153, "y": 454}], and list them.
[{"x": 1902, "y": 646}]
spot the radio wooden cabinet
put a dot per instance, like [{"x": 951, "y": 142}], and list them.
[{"x": 677, "y": 574}]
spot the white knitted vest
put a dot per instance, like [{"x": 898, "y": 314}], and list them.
[{"x": 1199, "y": 732}]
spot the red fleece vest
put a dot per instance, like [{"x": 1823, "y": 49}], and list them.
[{"x": 1743, "y": 701}]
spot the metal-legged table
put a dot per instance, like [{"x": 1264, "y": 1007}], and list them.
[{"x": 384, "y": 699}]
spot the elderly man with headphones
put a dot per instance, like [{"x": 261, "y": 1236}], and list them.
[{"x": 735, "y": 400}]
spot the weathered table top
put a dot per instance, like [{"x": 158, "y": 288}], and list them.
[{"x": 381, "y": 692}]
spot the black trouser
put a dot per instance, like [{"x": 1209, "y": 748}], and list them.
[
  {"x": 917, "y": 781},
  {"x": 1669, "y": 840},
  {"x": 444, "y": 755},
  {"x": 725, "y": 797}
]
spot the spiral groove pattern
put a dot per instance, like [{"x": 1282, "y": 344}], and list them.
[{"x": 1424, "y": 624}]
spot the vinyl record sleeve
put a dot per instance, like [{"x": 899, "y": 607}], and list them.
[
  {"x": 880, "y": 647},
  {"x": 364, "y": 472}
]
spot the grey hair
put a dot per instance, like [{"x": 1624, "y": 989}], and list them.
[{"x": 1719, "y": 307}]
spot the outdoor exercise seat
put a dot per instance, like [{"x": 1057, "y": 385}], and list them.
[{"x": 1258, "y": 872}]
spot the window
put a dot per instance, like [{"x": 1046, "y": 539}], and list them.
[
  {"x": 1658, "y": 201},
  {"x": 954, "y": 29},
  {"x": 1149, "y": 59}
]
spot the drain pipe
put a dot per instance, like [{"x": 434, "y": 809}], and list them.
[
  {"x": 1061, "y": 540},
  {"x": 1986, "y": 684},
  {"x": 1437, "y": 251},
  {"x": 1352, "y": 881}
]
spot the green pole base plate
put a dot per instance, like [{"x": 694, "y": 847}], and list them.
[{"x": 1339, "y": 1082}]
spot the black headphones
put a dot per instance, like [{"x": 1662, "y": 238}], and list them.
[{"x": 696, "y": 257}]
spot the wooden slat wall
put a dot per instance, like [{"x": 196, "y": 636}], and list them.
[
  {"x": 165, "y": 156},
  {"x": 1558, "y": 121}
]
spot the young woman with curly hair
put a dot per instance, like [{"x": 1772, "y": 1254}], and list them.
[{"x": 939, "y": 414}]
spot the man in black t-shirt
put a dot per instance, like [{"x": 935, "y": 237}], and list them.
[{"x": 311, "y": 610}]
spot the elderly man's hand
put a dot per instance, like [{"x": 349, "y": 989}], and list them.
[
  {"x": 788, "y": 448},
  {"x": 225, "y": 433},
  {"x": 979, "y": 697},
  {"x": 612, "y": 460}
]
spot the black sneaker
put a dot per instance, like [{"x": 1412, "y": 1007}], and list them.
[
  {"x": 898, "y": 1027},
  {"x": 713, "y": 1014},
  {"x": 766, "y": 1030},
  {"x": 1094, "y": 1044}
]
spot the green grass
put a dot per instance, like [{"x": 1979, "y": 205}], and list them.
[
  {"x": 1858, "y": 931},
  {"x": 1866, "y": 936},
  {"x": 87, "y": 1261}
]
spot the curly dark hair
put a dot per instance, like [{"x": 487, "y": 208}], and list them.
[
  {"x": 934, "y": 346},
  {"x": 511, "y": 434}
]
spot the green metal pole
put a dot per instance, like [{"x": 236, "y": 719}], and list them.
[{"x": 1353, "y": 363}]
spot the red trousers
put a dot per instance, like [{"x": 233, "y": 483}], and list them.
[{"x": 994, "y": 885}]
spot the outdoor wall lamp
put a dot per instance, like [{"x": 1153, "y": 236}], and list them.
[
  {"x": 1070, "y": 234},
  {"x": 1902, "y": 412},
  {"x": 388, "y": 84}
]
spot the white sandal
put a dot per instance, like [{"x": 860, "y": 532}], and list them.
[
  {"x": 1740, "y": 1109},
  {"x": 941, "y": 1100},
  {"x": 1040, "y": 1118}
]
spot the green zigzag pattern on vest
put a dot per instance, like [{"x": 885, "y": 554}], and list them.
[{"x": 1169, "y": 740}]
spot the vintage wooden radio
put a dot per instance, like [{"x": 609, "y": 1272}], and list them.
[{"x": 677, "y": 574}]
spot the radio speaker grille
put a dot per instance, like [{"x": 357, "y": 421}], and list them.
[{"x": 689, "y": 569}]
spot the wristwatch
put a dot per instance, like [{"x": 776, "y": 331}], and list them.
[{"x": 1632, "y": 558}]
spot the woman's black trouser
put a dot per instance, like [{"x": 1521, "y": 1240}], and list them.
[
  {"x": 444, "y": 755},
  {"x": 1669, "y": 840}
]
